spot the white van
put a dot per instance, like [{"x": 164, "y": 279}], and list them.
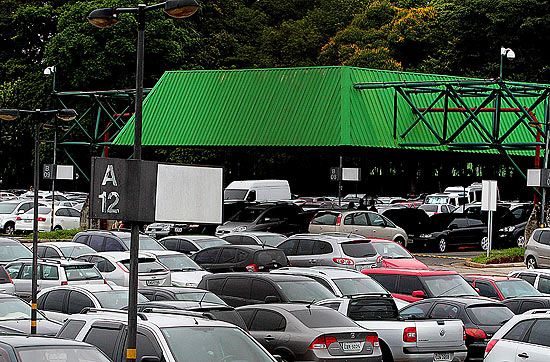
[
  {"x": 257, "y": 190},
  {"x": 454, "y": 199}
]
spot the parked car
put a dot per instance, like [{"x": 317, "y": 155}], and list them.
[
  {"x": 539, "y": 278},
  {"x": 38, "y": 348},
  {"x": 62, "y": 250},
  {"x": 52, "y": 273},
  {"x": 366, "y": 223},
  {"x": 106, "y": 240},
  {"x": 59, "y": 302},
  {"x": 156, "y": 294},
  {"x": 523, "y": 338},
  {"x": 340, "y": 281},
  {"x": 165, "y": 336},
  {"x": 501, "y": 287},
  {"x": 65, "y": 218},
  {"x": 512, "y": 225},
  {"x": 9, "y": 210},
  {"x": 7, "y": 196},
  {"x": 238, "y": 289},
  {"x": 412, "y": 285},
  {"x": 161, "y": 229},
  {"x": 395, "y": 255},
  {"x": 221, "y": 312},
  {"x": 481, "y": 317},
  {"x": 251, "y": 258},
  {"x": 537, "y": 250},
  {"x": 432, "y": 209},
  {"x": 254, "y": 238},
  {"x": 402, "y": 340},
  {"x": 277, "y": 217},
  {"x": 184, "y": 272},
  {"x": 6, "y": 284},
  {"x": 520, "y": 305},
  {"x": 328, "y": 250},
  {"x": 115, "y": 267},
  {"x": 12, "y": 250},
  {"x": 15, "y": 318},
  {"x": 190, "y": 244},
  {"x": 299, "y": 332}
]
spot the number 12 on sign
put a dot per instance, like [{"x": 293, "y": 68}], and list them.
[{"x": 110, "y": 209}]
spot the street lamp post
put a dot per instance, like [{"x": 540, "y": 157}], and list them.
[
  {"x": 104, "y": 18},
  {"x": 10, "y": 115}
]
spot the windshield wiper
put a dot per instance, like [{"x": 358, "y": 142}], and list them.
[{"x": 449, "y": 290}]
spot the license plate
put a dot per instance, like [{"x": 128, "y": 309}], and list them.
[
  {"x": 352, "y": 346},
  {"x": 152, "y": 282},
  {"x": 178, "y": 230},
  {"x": 443, "y": 357}
]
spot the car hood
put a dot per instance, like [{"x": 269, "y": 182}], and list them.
[
  {"x": 43, "y": 326},
  {"x": 404, "y": 263},
  {"x": 181, "y": 278}
]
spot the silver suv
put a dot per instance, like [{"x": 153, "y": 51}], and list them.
[
  {"x": 537, "y": 250},
  {"x": 315, "y": 249}
]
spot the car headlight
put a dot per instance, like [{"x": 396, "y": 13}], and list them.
[
  {"x": 508, "y": 229},
  {"x": 425, "y": 235},
  {"x": 239, "y": 228}
]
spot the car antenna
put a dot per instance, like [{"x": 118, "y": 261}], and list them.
[
  {"x": 202, "y": 298},
  {"x": 308, "y": 306},
  {"x": 263, "y": 244},
  {"x": 197, "y": 323}
]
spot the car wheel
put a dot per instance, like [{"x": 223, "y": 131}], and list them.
[
  {"x": 57, "y": 228},
  {"x": 520, "y": 241},
  {"x": 285, "y": 357},
  {"x": 484, "y": 243},
  {"x": 442, "y": 245},
  {"x": 531, "y": 263},
  {"x": 386, "y": 353},
  {"x": 9, "y": 229}
]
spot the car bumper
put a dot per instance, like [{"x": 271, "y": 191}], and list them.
[
  {"x": 348, "y": 358},
  {"x": 415, "y": 354}
]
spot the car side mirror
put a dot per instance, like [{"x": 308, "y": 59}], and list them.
[
  {"x": 271, "y": 299},
  {"x": 150, "y": 359},
  {"x": 419, "y": 294}
]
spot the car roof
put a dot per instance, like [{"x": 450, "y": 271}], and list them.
[
  {"x": 328, "y": 271},
  {"x": 323, "y": 237},
  {"x": 249, "y": 247},
  {"x": 494, "y": 278},
  {"x": 191, "y": 237},
  {"x": 185, "y": 304},
  {"x": 467, "y": 301},
  {"x": 92, "y": 288},
  {"x": 273, "y": 277},
  {"x": 154, "y": 253},
  {"x": 9, "y": 241},
  {"x": 63, "y": 262},
  {"x": 289, "y": 307},
  {"x": 533, "y": 298},
  {"x": 61, "y": 243},
  {"x": 118, "y": 255},
  {"x": 534, "y": 271},
  {"x": 403, "y": 271},
  {"x": 255, "y": 233},
  {"x": 176, "y": 289},
  {"x": 34, "y": 341}
]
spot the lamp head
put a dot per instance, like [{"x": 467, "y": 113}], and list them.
[
  {"x": 9, "y": 114},
  {"x": 509, "y": 53},
  {"x": 66, "y": 114},
  {"x": 103, "y": 18},
  {"x": 181, "y": 8},
  {"x": 49, "y": 70}
]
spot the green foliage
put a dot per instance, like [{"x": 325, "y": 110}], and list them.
[
  {"x": 59, "y": 234},
  {"x": 511, "y": 255}
]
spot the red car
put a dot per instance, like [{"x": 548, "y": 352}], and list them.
[
  {"x": 501, "y": 287},
  {"x": 395, "y": 255},
  {"x": 412, "y": 285}
]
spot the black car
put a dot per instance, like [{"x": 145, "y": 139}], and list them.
[
  {"x": 106, "y": 240},
  {"x": 444, "y": 231},
  {"x": 238, "y": 289},
  {"x": 229, "y": 258},
  {"x": 520, "y": 305},
  {"x": 481, "y": 316},
  {"x": 180, "y": 293}
]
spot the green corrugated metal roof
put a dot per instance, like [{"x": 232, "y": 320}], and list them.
[{"x": 315, "y": 106}]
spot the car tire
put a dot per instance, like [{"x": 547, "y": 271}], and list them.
[
  {"x": 442, "y": 245},
  {"x": 9, "y": 228},
  {"x": 57, "y": 228},
  {"x": 520, "y": 241},
  {"x": 386, "y": 352},
  {"x": 531, "y": 262},
  {"x": 285, "y": 356},
  {"x": 484, "y": 243}
]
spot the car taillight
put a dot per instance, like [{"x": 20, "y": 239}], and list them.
[
  {"x": 338, "y": 220},
  {"x": 121, "y": 266},
  {"x": 343, "y": 261},
  {"x": 409, "y": 334},
  {"x": 41, "y": 218},
  {"x": 322, "y": 342},
  {"x": 490, "y": 345},
  {"x": 373, "y": 339},
  {"x": 476, "y": 333},
  {"x": 252, "y": 268},
  {"x": 463, "y": 333},
  {"x": 18, "y": 218},
  {"x": 64, "y": 283},
  {"x": 104, "y": 281}
]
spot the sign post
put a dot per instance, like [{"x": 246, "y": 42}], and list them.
[{"x": 489, "y": 193}]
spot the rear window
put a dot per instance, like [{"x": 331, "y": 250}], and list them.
[
  {"x": 325, "y": 219},
  {"x": 494, "y": 315},
  {"x": 269, "y": 257},
  {"x": 516, "y": 288},
  {"x": 373, "y": 309},
  {"x": 429, "y": 208},
  {"x": 357, "y": 286},
  {"x": 82, "y": 272},
  {"x": 319, "y": 318},
  {"x": 271, "y": 240},
  {"x": 305, "y": 291},
  {"x": 146, "y": 266},
  {"x": 230, "y": 316},
  {"x": 358, "y": 249}
]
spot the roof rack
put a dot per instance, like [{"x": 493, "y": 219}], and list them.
[
  {"x": 538, "y": 311},
  {"x": 187, "y": 313},
  {"x": 87, "y": 310}
]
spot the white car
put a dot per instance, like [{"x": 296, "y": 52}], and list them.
[
  {"x": 184, "y": 272},
  {"x": 9, "y": 210},
  {"x": 65, "y": 218},
  {"x": 525, "y": 337},
  {"x": 63, "y": 250},
  {"x": 115, "y": 267},
  {"x": 432, "y": 209},
  {"x": 539, "y": 278}
]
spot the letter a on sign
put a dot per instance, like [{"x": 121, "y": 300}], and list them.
[{"x": 109, "y": 176}]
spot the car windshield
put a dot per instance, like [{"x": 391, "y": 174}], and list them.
[
  {"x": 429, "y": 208},
  {"x": 200, "y": 297},
  {"x": 7, "y": 207},
  {"x": 178, "y": 262},
  {"x": 211, "y": 344},
  {"x": 356, "y": 286},
  {"x": 270, "y": 257},
  {"x": 304, "y": 291},
  {"x": 11, "y": 251},
  {"x": 247, "y": 215},
  {"x": 14, "y": 308},
  {"x": 146, "y": 266},
  {"x": 82, "y": 272},
  {"x": 391, "y": 250},
  {"x": 234, "y": 194},
  {"x": 448, "y": 285},
  {"x": 489, "y": 315},
  {"x": 358, "y": 248},
  {"x": 76, "y": 250},
  {"x": 60, "y": 354},
  {"x": 210, "y": 242},
  {"x": 41, "y": 210},
  {"x": 271, "y": 240},
  {"x": 323, "y": 317},
  {"x": 437, "y": 200},
  {"x": 116, "y": 299},
  {"x": 365, "y": 309},
  {"x": 516, "y": 288},
  {"x": 145, "y": 243}
]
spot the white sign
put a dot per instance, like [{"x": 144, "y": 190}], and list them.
[
  {"x": 533, "y": 177},
  {"x": 351, "y": 174},
  {"x": 489, "y": 194},
  {"x": 65, "y": 172}
]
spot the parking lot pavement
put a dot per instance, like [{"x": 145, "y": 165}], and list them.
[{"x": 456, "y": 261}]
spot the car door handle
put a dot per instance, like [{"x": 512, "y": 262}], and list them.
[
  {"x": 269, "y": 338},
  {"x": 523, "y": 355},
  {"x": 313, "y": 261}
]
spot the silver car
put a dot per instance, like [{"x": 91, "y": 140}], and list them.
[
  {"x": 537, "y": 250},
  {"x": 254, "y": 238},
  {"x": 63, "y": 250},
  {"x": 190, "y": 244},
  {"x": 315, "y": 249}
]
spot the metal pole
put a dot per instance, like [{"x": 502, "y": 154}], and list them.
[
  {"x": 547, "y": 129},
  {"x": 53, "y": 180},
  {"x": 490, "y": 233},
  {"x": 134, "y": 241},
  {"x": 340, "y": 183},
  {"x": 35, "y": 226},
  {"x": 500, "y": 69}
]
